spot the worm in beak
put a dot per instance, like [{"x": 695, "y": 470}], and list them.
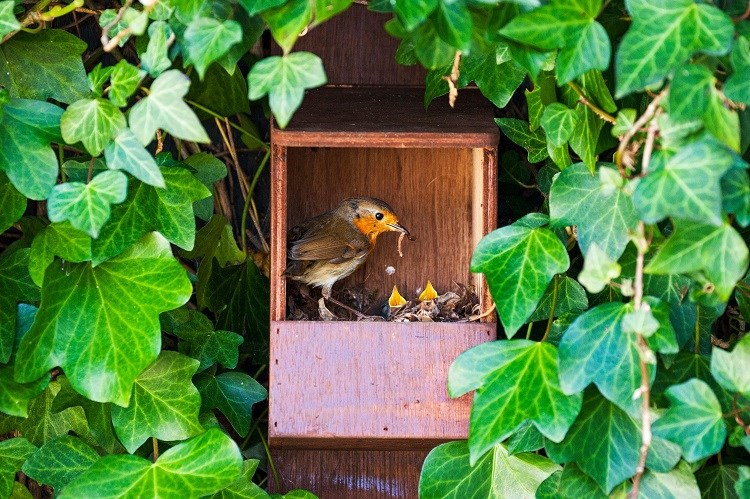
[{"x": 400, "y": 228}]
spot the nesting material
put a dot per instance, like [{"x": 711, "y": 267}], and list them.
[{"x": 458, "y": 305}]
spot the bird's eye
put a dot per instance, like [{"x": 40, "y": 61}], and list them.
[{"x": 378, "y": 216}]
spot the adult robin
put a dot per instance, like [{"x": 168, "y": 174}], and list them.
[{"x": 329, "y": 247}]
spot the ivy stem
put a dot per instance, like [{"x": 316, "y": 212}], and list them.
[
  {"x": 552, "y": 308},
  {"x": 628, "y": 136},
  {"x": 644, "y": 352},
  {"x": 270, "y": 460},
  {"x": 248, "y": 198},
  {"x": 218, "y": 116},
  {"x": 586, "y": 102},
  {"x": 155, "y": 444}
]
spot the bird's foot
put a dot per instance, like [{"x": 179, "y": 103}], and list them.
[{"x": 325, "y": 314}]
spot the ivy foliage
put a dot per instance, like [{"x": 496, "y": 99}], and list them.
[{"x": 135, "y": 299}]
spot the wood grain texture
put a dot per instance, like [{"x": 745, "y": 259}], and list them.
[
  {"x": 430, "y": 189},
  {"x": 388, "y": 117},
  {"x": 347, "y": 474},
  {"x": 278, "y": 231},
  {"x": 377, "y": 385},
  {"x": 356, "y": 50}
]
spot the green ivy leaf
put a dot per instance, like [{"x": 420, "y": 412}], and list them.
[
  {"x": 17, "y": 286},
  {"x": 233, "y": 393},
  {"x": 13, "y": 453},
  {"x": 526, "y": 438},
  {"x": 730, "y": 368},
  {"x": 719, "y": 253},
  {"x": 515, "y": 381},
  {"x": 287, "y": 21},
  {"x": 453, "y": 24},
  {"x": 29, "y": 70},
  {"x": 43, "y": 424},
  {"x": 156, "y": 58},
  {"x": 735, "y": 188},
  {"x": 285, "y": 79},
  {"x": 685, "y": 185},
  {"x": 737, "y": 86},
  {"x": 685, "y": 366},
  {"x": 124, "y": 82},
  {"x": 57, "y": 239},
  {"x": 208, "y": 169},
  {"x": 243, "y": 487},
  {"x": 571, "y": 297},
  {"x": 8, "y": 22},
  {"x": 679, "y": 482},
  {"x": 202, "y": 343},
  {"x": 585, "y": 136},
  {"x": 605, "y": 442},
  {"x": 257, "y": 6},
  {"x": 570, "y": 483},
  {"x": 558, "y": 122},
  {"x": 206, "y": 40},
  {"x": 448, "y": 472},
  {"x": 742, "y": 486},
  {"x": 496, "y": 81},
  {"x": 412, "y": 13},
  {"x": 223, "y": 93},
  {"x": 145, "y": 279},
  {"x": 598, "y": 270},
  {"x": 164, "y": 404},
  {"x": 31, "y": 164},
  {"x": 663, "y": 36},
  {"x": 87, "y": 206},
  {"x": 693, "y": 421},
  {"x": 569, "y": 26},
  {"x": 93, "y": 122},
  {"x": 722, "y": 123},
  {"x": 596, "y": 339},
  {"x": 12, "y": 203},
  {"x": 602, "y": 214},
  {"x": 14, "y": 396},
  {"x": 718, "y": 481},
  {"x": 239, "y": 296},
  {"x": 519, "y": 262},
  {"x": 535, "y": 142},
  {"x": 98, "y": 416},
  {"x": 126, "y": 153},
  {"x": 147, "y": 208},
  {"x": 690, "y": 91},
  {"x": 182, "y": 468},
  {"x": 624, "y": 122},
  {"x": 60, "y": 461},
  {"x": 164, "y": 108}
]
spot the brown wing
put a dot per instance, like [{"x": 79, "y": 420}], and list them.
[{"x": 336, "y": 241}]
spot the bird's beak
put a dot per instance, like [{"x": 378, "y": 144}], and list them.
[{"x": 400, "y": 228}]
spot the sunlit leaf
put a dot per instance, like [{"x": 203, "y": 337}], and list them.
[
  {"x": 182, "y": 468},
  {"x": 515, "y": 381},
  {"x": 104, "y": 345}
]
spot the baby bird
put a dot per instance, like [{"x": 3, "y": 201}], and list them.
[{"x": 329, "y": 247}]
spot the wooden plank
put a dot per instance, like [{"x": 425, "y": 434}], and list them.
[
  {"x": 356, "y": 50},
  {"x": 349, "y": 474},
  {"x": 430, "y": 189},
  {"x": 389, "y": 117},
  {"x": 367, "y": 384},
  {"x": 278, "y": 230}
]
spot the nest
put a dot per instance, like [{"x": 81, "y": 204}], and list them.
[{"x": 459, "y": 305}]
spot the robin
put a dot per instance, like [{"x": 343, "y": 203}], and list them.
[{"x": 329, "y": 247}]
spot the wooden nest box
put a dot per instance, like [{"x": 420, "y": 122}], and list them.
[{"x": 359, "y": 395}]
